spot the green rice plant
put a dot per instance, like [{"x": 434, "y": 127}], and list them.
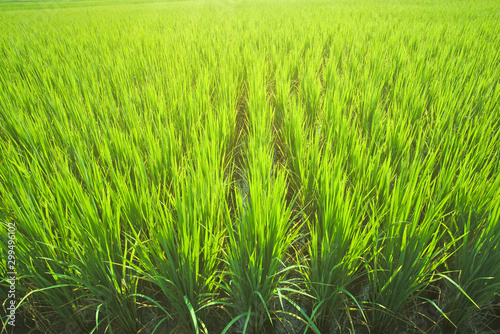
[
  {"x": 339, "y": 240},
  {"x": 36, "y": 240},
  {"x": 183, "y": 250},
  {"x": 62, "y": 257},
  {"x": 409, "y": 245},
  {"x": 475, "y": 269},
  {"x": 263, "y": 230},
  {"x": 311, "y": 88},
  {"x": 258, "y": 245},
  {"x": 303, "y": 153}
]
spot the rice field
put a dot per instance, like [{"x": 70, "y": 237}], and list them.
[{"x": 235, "y": 166}]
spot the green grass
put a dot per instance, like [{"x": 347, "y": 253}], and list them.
[
  {"x": 258, "y": 167},
  {"x": 47, "y": 5}
]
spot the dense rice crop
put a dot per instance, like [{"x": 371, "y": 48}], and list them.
[{"x": 244, "y": 167}]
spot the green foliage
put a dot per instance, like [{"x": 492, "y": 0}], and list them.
[{"x": 221, "y": 166}]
